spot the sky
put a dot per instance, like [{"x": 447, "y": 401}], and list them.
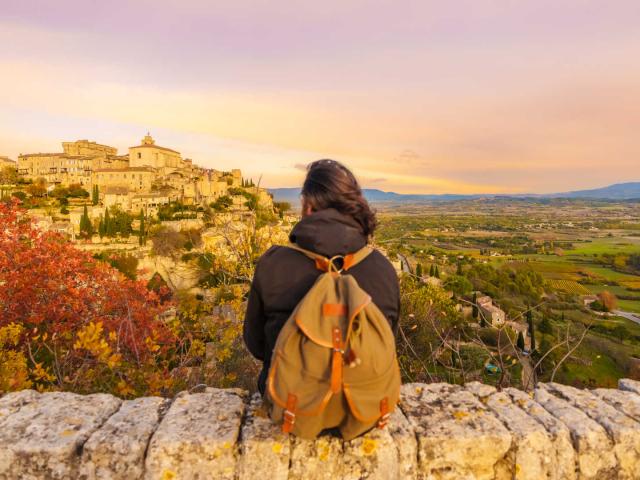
[{"x": 464, "y": 96}]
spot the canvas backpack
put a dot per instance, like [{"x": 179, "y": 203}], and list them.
[{"x": 334, "y": 363}]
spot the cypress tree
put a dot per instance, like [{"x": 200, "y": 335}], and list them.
[
  {"x": 95, "y": 197},
  {"x": 459, "y": 270},
  {"x": 532, "y": 333},
  {"x": 109, "y": 224},
  {"x": 474, "y": 308},
  {"x": 432, "y": 272},
  {"x": 545, "y": 326},
  {"x": 101, "y": 227},
  {"x": 436, "y": 272},
  {"x": 520, "y": 341},
  {"x": 86, "y": 229},
  {"x": 419, "y": 270}
]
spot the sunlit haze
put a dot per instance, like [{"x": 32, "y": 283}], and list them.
[{"x": 417, "y": 97}]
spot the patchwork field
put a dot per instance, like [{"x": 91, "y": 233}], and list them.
[{"x": 561, "y": 250}]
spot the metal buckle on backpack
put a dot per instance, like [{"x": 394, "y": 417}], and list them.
[
  {"x": 289, "y": 417},
  {"x": 331, "y": 264}
]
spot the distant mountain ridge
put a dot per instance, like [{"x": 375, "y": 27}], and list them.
[{"x": 618, "y": 191}]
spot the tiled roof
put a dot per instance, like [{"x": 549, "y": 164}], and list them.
[{"x": 156, "y": 146}]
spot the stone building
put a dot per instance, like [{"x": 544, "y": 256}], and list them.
[
  {"x": 6, "y": 162},
  {"x": 136, "y": 179},
  {"x": 85, "y": 147},
  {"x": 117, "y": 195},
  {"x": 148, "y": 154},
  {"x": 150, "y": 202},
  {"x": 492, "y": 313},
  {"x": 74, "y": 164}
]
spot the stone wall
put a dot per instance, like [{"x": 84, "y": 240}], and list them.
[{"x": 442, "y": 431}]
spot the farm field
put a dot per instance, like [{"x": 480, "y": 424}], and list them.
[{"x": 577, "y": 251}]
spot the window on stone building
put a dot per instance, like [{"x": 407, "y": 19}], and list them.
[{"x": 139, "y": 155}]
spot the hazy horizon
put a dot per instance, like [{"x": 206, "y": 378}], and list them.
[{"x": 416, "y": 97}]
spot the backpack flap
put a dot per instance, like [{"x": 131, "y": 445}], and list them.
[{"x": 331, "y": 303}]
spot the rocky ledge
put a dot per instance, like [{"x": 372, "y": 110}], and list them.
[{"x": 442, "y": 431}]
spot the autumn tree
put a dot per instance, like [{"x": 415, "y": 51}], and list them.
[
  {"x": 37, "y": 188},
  {"x": 281, "y": 208},
  {"x": 608, "y": 300},
  {"x": 69, "y": 322},
  {"x": 8, "y": 176},
  {"x": 167, "y": 241}
]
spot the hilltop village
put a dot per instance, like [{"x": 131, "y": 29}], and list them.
[
  {"x": 149, "y": 177},
  {"x": 149, "y": 211}
]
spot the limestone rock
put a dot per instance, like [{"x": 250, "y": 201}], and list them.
[
  {"x": 406, "y": 444},
  {"x": 371, "y": 456},
  {"x": 42, "y": 439},
  {"x": 629, "y": 385},
  {"x": 264, "y": 449},
  {"x": 623, "y": 401},
  {"x": 116, "y": 451},
  {"x": 531, "y": 454},
  {"x": 457, "y": 437},
  {"x": 563, "y": 461},
  {"x": 480, "y": 390},
  {"x": 594, "y": 449},
  {"x": 624, "y": 431},
  {"x": 320, "y": 459},
  {"x": 197, "y": 437},
  {"x": 13, "y": 401}
]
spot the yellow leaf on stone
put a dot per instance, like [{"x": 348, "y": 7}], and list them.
[
  {"x": 277, "y": 447},
  {"x": 459, "y": 414},
  {"x": 368, "y": 446},
  {"x": 324, "y": 454},
  {"x": 66, "y": 433},
  {"x": 168, "y": 475}
]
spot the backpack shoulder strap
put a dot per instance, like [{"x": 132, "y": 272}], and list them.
[{"x": 326, "y": 264}]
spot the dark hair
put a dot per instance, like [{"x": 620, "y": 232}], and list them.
[{"x": 329, "y": 184}]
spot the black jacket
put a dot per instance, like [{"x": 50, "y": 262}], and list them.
[{"x": 283, "y": 276}]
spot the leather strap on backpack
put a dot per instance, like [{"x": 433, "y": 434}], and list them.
[
  {"x": 336, "y": 360},
  {"x": 384, "y": 412},
  {"x": 289, "y": 415},
  {"x": 326, "y": 264}
]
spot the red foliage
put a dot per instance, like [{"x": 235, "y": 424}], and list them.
[{"x": 47, "y": 285}]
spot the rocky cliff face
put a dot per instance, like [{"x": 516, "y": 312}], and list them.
[{"x": 441, "y": 432}]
